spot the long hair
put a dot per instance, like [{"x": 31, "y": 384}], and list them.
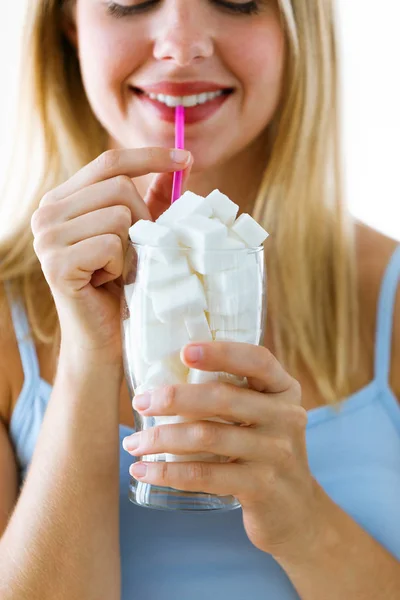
[{"x": 311, "y": 259}]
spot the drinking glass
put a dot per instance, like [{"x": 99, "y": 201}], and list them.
[{"x": 176, "y": 296}]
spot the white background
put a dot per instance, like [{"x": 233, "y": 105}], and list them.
[{"x": 370, "y": 53}]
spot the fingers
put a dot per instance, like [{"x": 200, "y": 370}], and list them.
[
  {"x": 158, "y": 197},
  {"x": 104, "y": 208},
  {"x": 98, "y": 204},
  {"x": 118, "y": 191},
  {"x": 220, "y": 479},
  {"x": 221, "y": 400},
  {"x": 71, "y": 268},
  {"x": 263, "y": 371},
  {"x": 199, "y": 437},
  {"x": 114, "y": 219},
  {"x": 131, "y": 163},
  {"x": 93, "y": 238}
]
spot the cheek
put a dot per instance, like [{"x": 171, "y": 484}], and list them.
[
  {"x": 259, "y": 63},
  {"x": 108, "y": 55}
]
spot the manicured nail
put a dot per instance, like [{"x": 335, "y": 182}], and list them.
[
  {"x": 180, "y": 156},
  {"x": 138, "y": 470},
  {"x": 132, "y": 442},
  {"x": 193, "y": 353},
  {"x": 142, "y": 402}
]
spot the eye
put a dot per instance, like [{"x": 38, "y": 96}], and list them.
[
  {"x": 244, "y": 8},
  {"x": 119, "y": 10}
]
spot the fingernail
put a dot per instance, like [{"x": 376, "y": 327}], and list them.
[
  {"x": 142, "y": 402},
  {"x": 180, "y": 156},
  {"x": 131, "y": 443},
  {"x": 193, "y": 353},
  {"x": 138, "y": 470}
]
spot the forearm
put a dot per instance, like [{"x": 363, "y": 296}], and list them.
[
  {"x": 63, "y": 538},
  {"x": 343, "y": 562}
]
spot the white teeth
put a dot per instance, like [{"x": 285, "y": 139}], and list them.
[
  {"x": 186, "y": 101},
  {"x": 190, "y": 101}
]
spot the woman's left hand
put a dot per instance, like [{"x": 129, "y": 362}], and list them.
[{"x": 269, "y": 475}]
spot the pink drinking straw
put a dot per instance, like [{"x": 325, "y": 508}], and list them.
[{"x": 179, "y": 143}]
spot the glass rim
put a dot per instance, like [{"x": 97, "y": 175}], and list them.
[{"x": 252, "y": 249}]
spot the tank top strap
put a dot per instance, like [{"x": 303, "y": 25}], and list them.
[
  {"x": 386, "y": 307},
  {"x": 26, "y": 346}
]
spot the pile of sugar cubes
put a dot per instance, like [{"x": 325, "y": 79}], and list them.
[{"x": 199, "y": 278}]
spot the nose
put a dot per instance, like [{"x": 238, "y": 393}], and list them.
[{"x": 184, "y": 36}]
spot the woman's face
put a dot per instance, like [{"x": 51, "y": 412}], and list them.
[{"x": 232, "y": 51}]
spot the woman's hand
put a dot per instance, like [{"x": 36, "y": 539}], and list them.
[
  {"x": 81, "y": 236},
  {"x": 269, "y": 475}
]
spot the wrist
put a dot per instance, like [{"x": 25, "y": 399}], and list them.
[
  {"x": 77, "y": 363},
  {"x": 90, "y": 389},
  {"x": 77, "y": 353},
  {"x": 319, "y": 535}
]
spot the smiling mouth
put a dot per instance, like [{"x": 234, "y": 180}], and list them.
[{"x": 186, "y": 101}]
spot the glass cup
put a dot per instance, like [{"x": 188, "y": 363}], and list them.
[{"x": 171, "y": 297}]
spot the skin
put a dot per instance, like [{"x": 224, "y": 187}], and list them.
[
  {"x": 80, "y": 235},
  {"x": 179, "y": 42},
  {"x": 80, "y": 228},
  {"x": 270, "y": 478}
]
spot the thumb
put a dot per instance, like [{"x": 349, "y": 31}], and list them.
[{"x": 158, "y": 196}]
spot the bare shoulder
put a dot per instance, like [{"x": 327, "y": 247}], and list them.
[
  {"x": 8, "y": 358},
  {"x": 8, "y": 465},
  {"x": 373, "y": 252}
]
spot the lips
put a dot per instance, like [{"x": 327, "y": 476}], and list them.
[
  {"x": 182, "y": 89},
  {"x": 193, "y": 114}
]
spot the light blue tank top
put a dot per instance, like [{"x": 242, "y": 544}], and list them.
[{"x": 354, "y": 455}]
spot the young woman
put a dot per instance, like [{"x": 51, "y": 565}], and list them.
[{"x": 319, "y": 487}]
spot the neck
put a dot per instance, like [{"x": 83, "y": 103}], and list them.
[{"x": 239, "y": 177}]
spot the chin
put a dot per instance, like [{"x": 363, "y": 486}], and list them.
[{"x": 202, "y": 165}]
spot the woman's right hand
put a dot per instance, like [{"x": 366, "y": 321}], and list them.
[{"x": 81, "y": 236}]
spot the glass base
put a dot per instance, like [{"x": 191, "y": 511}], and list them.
[{"x": 161, "y": 498}]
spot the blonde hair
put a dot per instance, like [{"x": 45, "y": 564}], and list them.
[{"x": 313, "y": 291}]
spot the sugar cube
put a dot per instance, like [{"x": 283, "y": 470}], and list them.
[
  {"x": 246, "y": 337},
  {"x": 141, "y": 306},
  {"x": 234, "y": 281},
  {"x": 198, "y": 328},
  {"x": 125, "y": 331},
  {"x": 233, "y": 380},
  {"x": 249, "y": 231},
  {"x": 196, "y": 376},
  {"x": 233, "y": 242},
  {"x": 175, "y": 363},
  {"x": 128, "y": 291},
  {"x": 230, "y": 255},
  {"x": 229, "y": 304},
  {"x": 169, "y": 420},
  {"x": 185, "y": 297},
  {"x": 244, "y": 320},
  {"x": 159, "y": 340},
  {"x": 187, "y": 205},
  {"x": 223, "y": 208},
  {"x": 156, "y": 274},
  {"x": 136, "y": 365},
  {"x": 162, "y": 239},
  {"x": 202, "y": 233},
  {"x": 159, "y": 374}
]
